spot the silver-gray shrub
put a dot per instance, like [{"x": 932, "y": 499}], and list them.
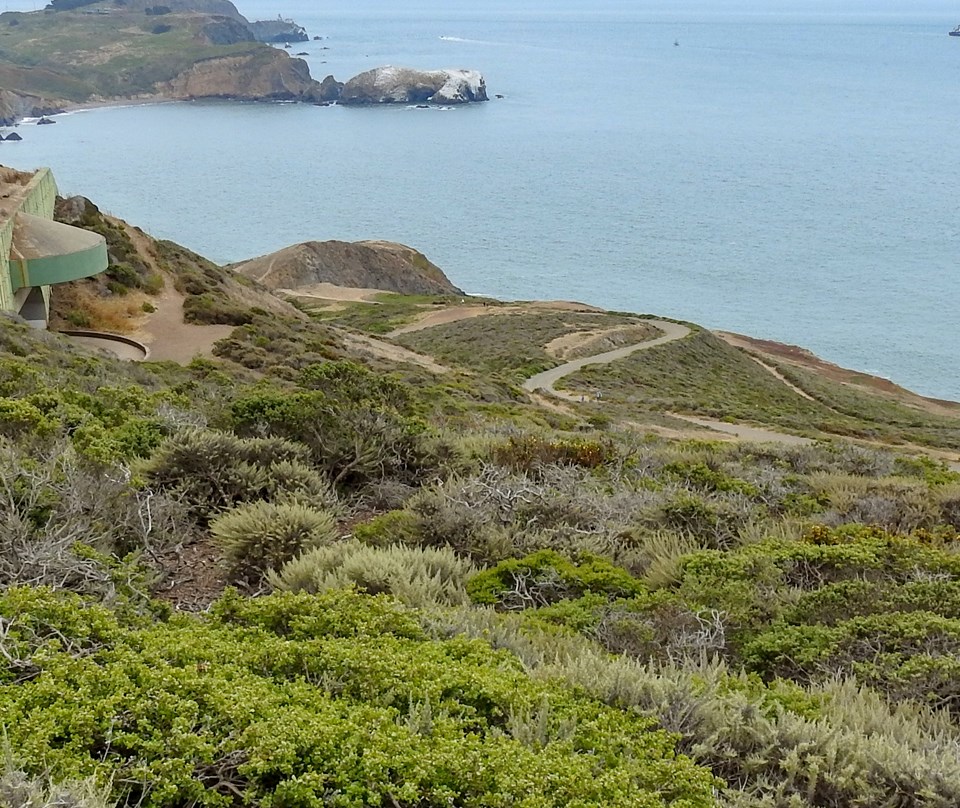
[
  {"x": 836, "y": 744},
  {"x": 418, "y": 576},
  {"x": 258, "y": 536},
  {"x": 19, "y": 790}
]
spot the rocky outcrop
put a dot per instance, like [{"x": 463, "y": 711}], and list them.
[
  {"x": 329, "y": 90},
  {"x": 380, "y": 265},
  {"x": 278, "y": 30},
  {"x": 402, "y": 85},
  {"x": 14, "y": 106},
  {"x": 226, "y": 31},
  {"x": 267, "y": 74}
]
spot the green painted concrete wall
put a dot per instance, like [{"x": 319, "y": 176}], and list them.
[
  {"x": 6, "y": 286},
  {"x": 40, "y": 196},
  {"x": 59, "y": 268},
  {"x": 38, "y": 199}
]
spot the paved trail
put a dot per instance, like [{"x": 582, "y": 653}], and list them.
[{"x": 548, "y": 379}]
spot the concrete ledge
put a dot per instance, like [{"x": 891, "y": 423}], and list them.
[{"x": 132, "y": 350}]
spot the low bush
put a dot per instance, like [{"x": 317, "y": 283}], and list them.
[
  {"x": 259, "y": 536},
  {"x": 414, "y": 575},
  {"x": 528, "y": 452},
  {"x": 212, "y": 471},
  {"x": 546, "y": 577},
  {"x": 330, "y": 700}
]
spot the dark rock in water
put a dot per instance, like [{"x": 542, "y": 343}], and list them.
[
  {"x": 423, "y": 106},
  {"x": 401, "y": 85},
  {"x": 316, "y": 39},
  {"x": 302, "y": 53},
  {"x": 45, "y": 120},
  {"x": 499, "y": 95},
  {"x": 329, "y": 90},
  {"x": 13, "y": 136}
]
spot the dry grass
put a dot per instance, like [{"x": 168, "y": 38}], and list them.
[{"x": 78, "y": 305}]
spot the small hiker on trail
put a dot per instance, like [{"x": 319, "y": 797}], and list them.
[{"x": 599, "y": 395}]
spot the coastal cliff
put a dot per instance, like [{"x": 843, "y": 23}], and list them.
[
  {"x": 267, "y": 74},
  {"x": 383, "y": 265}
]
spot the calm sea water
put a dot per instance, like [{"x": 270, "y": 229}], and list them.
[{"x": 786, "y": 172}]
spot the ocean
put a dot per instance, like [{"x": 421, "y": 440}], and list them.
[{"x": 784, "y": 170}]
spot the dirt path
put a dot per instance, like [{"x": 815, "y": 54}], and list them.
[
  {"x": 169, "y": 337},
  {"x": 784, "y": 380}
]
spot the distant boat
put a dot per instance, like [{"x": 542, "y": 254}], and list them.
[{"x": 955, "y": 31}]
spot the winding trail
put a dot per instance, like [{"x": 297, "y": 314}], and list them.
[
  {"x": 547, "y": 380},
  {"x": 542, "y": 386},
  {"x": 545, "y": 384}
]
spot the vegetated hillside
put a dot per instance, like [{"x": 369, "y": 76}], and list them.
[
  {"x": 380, "y": 265},
  {"x": 120, "y": 50},
  {"x": 142, "y": 271},
  {"x": 442, "y": 593}
]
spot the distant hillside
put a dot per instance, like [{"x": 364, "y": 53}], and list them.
[
  {"x": 380, "y": 265},
  {"x": 105, "y": 51}
]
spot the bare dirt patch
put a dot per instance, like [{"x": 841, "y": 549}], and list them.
[
  {"x": 329, "y": 291},
  {"x": 169, "y": 337}
]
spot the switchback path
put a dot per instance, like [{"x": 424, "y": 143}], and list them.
[
  {"x": 546, "y": 383},
  {"x": 547, "y": 380}
]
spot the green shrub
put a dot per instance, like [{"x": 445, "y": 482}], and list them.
[
  {"x": 546, "y": 577},
  {"x": 19, "y": 417},
  {"x": 393, "y": 527},
  {"x": 357, "y": 440},
  {"x": 330, "y": 700},
  {"x": 703, "y": 477},
  {"x": 259, "y": 536}
]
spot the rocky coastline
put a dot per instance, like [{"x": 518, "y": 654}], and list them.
[{"x": 235, "y": 64}]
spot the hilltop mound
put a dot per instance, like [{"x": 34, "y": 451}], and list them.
[{"x": 382, "y": 265}]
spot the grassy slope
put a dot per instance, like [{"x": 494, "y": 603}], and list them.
[{"x": 510, "y": 343}]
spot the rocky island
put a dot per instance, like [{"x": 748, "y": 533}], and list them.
[
  {"x": 392, "y": 85},
  {"x": 78, "y": 52}
]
